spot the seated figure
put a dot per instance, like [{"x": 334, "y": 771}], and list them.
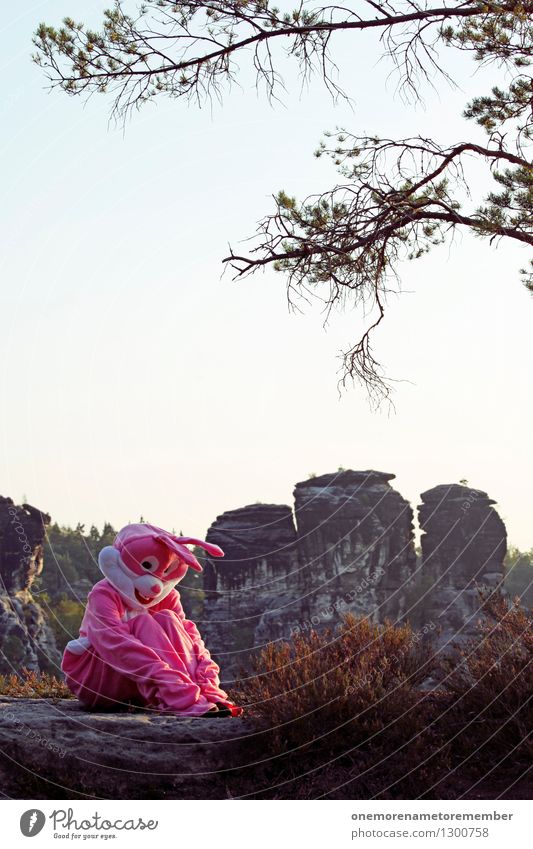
[{"x": 135, "y": 643}]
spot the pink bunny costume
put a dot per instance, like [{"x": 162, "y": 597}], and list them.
[{"x": 135, "y": 642}]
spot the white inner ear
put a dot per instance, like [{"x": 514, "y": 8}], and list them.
[
  {"x": 172, "y": 567},
  {"x": 118, "y": 574},
  {"x": 108, "y": 558}
]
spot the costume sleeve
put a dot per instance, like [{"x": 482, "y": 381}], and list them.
[
  {"x": 207, "y": 671},
  {"x": 124, "y": 652}
]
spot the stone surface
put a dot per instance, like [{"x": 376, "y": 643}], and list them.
[
  {"x": 353, "y": 551},
  {"x": 54, "y": 749},
  {"x": 464, "y": 542},
  {"x": 26, "y": 638}
]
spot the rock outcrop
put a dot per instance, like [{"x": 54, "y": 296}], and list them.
[
  {"x": 464, "y": 542},
  {"x": 26, "y": 638},
  {"x": 355, "y": 544},
  {"x": 52, "y": 749},
  {"x": 353, "y": 550},
  {"x": 250, "y": 587}
]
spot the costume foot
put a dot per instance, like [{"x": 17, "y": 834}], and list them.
[
  {"x": 214, "y": 711},
  {"x": 223, "y": 709},
  {"x": 229, "y": 709}
]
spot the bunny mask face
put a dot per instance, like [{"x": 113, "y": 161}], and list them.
[{"x": 145, "y": 563}]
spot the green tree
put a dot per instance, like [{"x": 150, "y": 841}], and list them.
[
  {"x": 519, "y": 575},
  {"x": 397, "y": 198},
  {"x": 65, "y": 618},
  {"x": 70, "y": 556}
]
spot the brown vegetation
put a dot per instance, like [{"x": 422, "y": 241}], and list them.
[
  {"x": 33, "y": 685},
  {"x": 347, "y": 716}
]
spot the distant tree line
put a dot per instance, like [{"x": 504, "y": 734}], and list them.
[{"x": 519, "y": 575}]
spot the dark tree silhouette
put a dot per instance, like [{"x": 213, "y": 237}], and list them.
[{"x": 397, "y": 198}]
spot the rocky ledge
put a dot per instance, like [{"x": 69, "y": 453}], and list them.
[{"x": 54, "y": 749}]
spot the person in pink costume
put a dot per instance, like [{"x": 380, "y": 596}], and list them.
[{"x": 135, "y": 643}]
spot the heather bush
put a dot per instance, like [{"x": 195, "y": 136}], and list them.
[
  {"x": 491, "y": 683},
  {"x": 350, "y": 697},
  {"x": 33, "y": 685}
]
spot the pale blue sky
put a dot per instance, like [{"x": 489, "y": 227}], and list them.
[{"x": 136, "y": 381}]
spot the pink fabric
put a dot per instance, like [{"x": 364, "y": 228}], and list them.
[
  {"x": 135, "y": 542},
  {"x": 156, "y": 657}
]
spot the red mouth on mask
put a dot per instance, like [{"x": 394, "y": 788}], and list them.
[{"x": 141, "y": 598}]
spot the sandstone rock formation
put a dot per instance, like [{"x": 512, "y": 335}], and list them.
[
  {"x": 251, "y": 583},
  {"x": 353, "y": 551},
  {"x": 26, "y": 638},
  {"x": 464, "y": 542},
  {"x": 52, "y": 749},
  {"x": 355, "y": 543}
]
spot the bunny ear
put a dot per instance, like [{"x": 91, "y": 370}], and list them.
[
  {"x": 210, "y": 547},
  {"x": 179, "y": 546},
  {"x": 183, "y": 553},
  {"x": 188, "y": 557}
]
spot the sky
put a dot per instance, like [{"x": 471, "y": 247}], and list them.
[{"x": 138, "y": 380}]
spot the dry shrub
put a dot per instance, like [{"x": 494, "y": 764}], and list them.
[
  {"x": 492, "y": 686},
  {"x": 33, "y": 685},
  {"x": 351, "y": 695}
]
